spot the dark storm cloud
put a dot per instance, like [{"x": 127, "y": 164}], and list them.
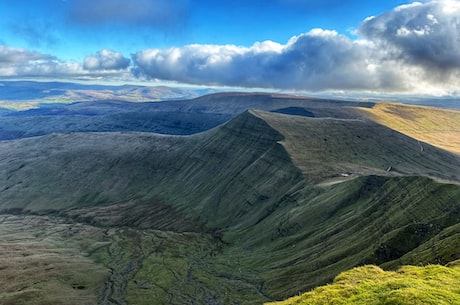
[
  {"x": 162, "y": 14},
  {"x": 106, "y": 60}
]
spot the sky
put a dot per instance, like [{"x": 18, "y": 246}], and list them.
[{"x": 370, "y": 46}]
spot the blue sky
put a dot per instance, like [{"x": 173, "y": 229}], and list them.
[
  {"x": 329, "y": 45},
  {"x": 72, "y": 29}
]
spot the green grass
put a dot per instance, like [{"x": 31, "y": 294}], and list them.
[
  {"x": 326, "y": 148},
  {"x": 370, "y": 285},
  {"x": 41, "y": 262}
]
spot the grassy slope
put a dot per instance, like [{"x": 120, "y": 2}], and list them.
[
  {"x": 371, "y": 285},
  {"x": 317, "y": 232},
  {"x": 327, "y": 147},
  {"x": 281, "y": 233},
  {"x": 439, "y": 127},
  {"x": 217, "y": 176}
]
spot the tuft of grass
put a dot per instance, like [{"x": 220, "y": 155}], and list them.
[{"x": 369, "y": 285}]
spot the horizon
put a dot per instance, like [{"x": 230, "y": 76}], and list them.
[
  {"x": 428, "y": 101},
  {"x": 396, "y": 49}
]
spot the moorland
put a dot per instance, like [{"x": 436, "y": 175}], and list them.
[{"x": 227, "y": 198}]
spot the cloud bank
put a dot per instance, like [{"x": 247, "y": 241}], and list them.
[
  {"x": 425, "y": 35},
  {"x": 18, "y": 62},
  {"x": 413, "y": 48}
]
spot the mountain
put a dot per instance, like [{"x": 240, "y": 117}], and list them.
[
  {"x": 257, "y": 209},
  {"x": 190, "y": 116},
  {"x": 180, "y": 117}
]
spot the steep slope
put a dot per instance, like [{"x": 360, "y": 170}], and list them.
[
  {"x": 242, "y": 207},
  {"x": 439, "y": 127},
  {"x": 217, "y": 176},
  {"x": 317, "y": 233},
  {"x": 327, "y": 148}
]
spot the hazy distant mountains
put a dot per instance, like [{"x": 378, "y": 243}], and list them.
[{"x": 20, "y": 95}]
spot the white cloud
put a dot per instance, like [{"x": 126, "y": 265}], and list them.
[
  {"x": 10, "y": 55},
  {"x": 22, "y": 62},
  {"x": 317, "y": 60},
  {"x": 106, "y": 60},
  {"x": 413, "y": 48},
  {"x": 422, "y": 34},
  {"x": 18, "y": 62}
]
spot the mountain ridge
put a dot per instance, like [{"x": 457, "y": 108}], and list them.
[{"x": 256, "y": 220}]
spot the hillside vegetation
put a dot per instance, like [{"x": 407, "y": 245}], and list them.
[
  {"x": 257, "y": 209},
  {"x": 439, "y": 127},
  {"x": 370, "y": 285}
]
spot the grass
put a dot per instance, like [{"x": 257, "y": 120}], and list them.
[
  {"x": 370, "y": 285},
  {"x": 367, "y": 220},
  {"x": 40, "y": 264},
  {"x": 439, "y": 127},
  {"x": 327, "y": 148},
  {"x": 47, "y": 260}
]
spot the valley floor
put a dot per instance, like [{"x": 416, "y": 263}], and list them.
[{"x": 50, "y": 260}]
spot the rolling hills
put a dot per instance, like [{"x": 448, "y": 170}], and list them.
[{"x": 257, "y": 209}]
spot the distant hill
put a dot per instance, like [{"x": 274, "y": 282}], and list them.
[
  {"x": 180, "y": 117},
  {"x": 23, "y": 95},
  {"x": 439, "y": 127}
]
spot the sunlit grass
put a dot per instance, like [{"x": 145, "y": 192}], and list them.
[
  {"x": 438, "y": 127},
  {"x": 368, "y": 285}
]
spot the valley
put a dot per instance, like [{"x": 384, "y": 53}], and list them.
[{"x": 253, "y": 198}]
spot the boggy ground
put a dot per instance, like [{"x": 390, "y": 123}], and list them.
[{"x": 51, "y": 260}]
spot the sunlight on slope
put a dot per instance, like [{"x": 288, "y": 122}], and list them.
[
  {"x": 330, "y": 150},
  {"x": 433, "y": 284},
  {"x": 439, "y": 127}
]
